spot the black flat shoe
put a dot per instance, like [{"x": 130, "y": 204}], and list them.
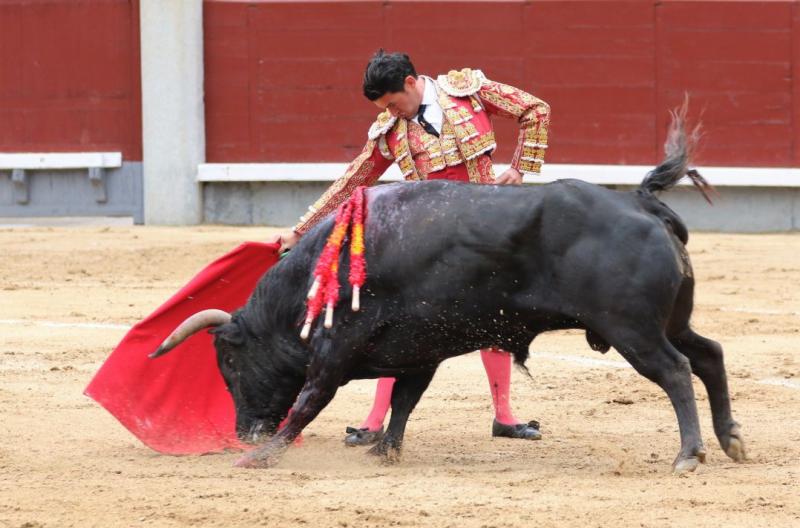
[
  {"x": 361, "y": 437},
  {"x": 528, "y": 431}
]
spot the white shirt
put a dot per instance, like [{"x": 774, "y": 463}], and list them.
[{"x": 433, "y": 112}]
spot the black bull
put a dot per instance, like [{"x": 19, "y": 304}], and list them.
[{"x": 454, "y": 268}]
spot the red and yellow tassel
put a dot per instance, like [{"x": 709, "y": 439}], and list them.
[
  {"x": 324, "y": 291},
  {"x": 358, "y": 265}
]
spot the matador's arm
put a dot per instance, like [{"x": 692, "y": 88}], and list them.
[
  {"x": 533, "y": 116},
  {"x": 364, "y": 170}
]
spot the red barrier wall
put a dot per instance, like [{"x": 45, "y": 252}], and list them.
[
  {"x": 736, "y": 60},
  {"x": 69, "y": 76},
  {"x": 283, "y": 78}
]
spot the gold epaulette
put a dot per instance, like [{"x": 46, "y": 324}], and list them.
[
  {"x": 461, "y": 83},
  {"x": 381, "y": 125}
]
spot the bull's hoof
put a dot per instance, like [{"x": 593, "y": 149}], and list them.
[
  {"x": 685, "y": 465},
  {"x": 733, "y": 444},
  {"x": 265, "y": 457},
  {"x": 388, "y": 453},
  {"x": 688, "y": 463},
  {"x": 256, "y": 463}
]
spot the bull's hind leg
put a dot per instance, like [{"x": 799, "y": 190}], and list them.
[
  {"x": 407, "y": 392},
  {"x": 707, "y": 362},
  {"x": 657, "y": 360}
]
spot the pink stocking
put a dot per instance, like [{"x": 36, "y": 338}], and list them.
[
  {"x": 498, "y": 369},
  {"x": 383, "y": 400}
]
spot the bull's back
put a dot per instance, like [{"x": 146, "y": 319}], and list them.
[
  {"x": 426, "y": 219},
  {"x": 413, "y": 225},
  {"x": 557, "y": 240}
]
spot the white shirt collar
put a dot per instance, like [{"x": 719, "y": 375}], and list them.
[{"x": 429, "y": 96}]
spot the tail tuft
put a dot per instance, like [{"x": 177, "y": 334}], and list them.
[{"x": 678, "y": 149}]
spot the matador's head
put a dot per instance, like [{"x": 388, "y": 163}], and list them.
[{"x": 392, "y": 83}]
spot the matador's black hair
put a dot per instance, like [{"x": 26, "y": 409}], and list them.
[{"x": 386, "y": 73}]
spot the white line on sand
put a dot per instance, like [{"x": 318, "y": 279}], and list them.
[
  {"x": 580, "y": 360},
  {"x": 567, "y": 358},
  {"x": 781, "y": 382},
  {"x": 56, "y": 324},
  {"x": 760, "y": 311},
  {"x": 607, "y": 363}
]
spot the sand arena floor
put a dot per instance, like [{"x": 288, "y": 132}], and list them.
[{"x": 65, "y": 462}]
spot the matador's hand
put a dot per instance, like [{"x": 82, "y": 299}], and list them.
[
  {"x": 286, "y": 240},
  {"x": 511, "y": 176}
]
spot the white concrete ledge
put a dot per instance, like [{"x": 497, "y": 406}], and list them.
[
  {"x": 600, "y": 174},
  {"x": 60, "y": 160}
]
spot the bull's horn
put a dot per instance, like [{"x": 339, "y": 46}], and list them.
[{"x": 191, "y": 326}]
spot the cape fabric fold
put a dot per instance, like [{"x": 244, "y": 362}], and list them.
[{"x": 178, "y": 403}]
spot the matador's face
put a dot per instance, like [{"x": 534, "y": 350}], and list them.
[{"x": 403, "y": 104}]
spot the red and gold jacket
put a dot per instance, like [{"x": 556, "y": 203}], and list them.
[{"x": 462, "y": 150}]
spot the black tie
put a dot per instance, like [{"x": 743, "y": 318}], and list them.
[{"x": 427, "y": 126}]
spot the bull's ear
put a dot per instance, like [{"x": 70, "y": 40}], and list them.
[{"x": 229, "y": 332}]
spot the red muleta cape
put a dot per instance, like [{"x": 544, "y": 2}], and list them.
[{"x": 178, "y": 404}]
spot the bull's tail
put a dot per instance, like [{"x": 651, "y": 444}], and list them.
[{"x": 678, "y": 149}]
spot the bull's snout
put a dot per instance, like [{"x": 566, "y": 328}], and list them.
[
  {"x": 255, "y": 430},
  {"x": 255, "y": 433}
]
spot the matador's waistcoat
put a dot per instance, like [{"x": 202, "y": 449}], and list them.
[{"x": 462, "y": 150}]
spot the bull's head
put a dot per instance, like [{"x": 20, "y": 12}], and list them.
[{"x": 261, "y": 389}]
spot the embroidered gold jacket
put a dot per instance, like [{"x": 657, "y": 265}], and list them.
[{"x": 467, "y": 99}]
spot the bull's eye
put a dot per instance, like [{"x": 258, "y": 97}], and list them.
[{"x": 229, "y": 360}]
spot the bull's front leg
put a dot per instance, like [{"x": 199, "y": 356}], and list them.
[
  {"x": 406, "y": 394},
  {"x": 323, "y": 379}
]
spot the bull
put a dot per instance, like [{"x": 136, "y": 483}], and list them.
[{"x": 457, "y": 267}]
